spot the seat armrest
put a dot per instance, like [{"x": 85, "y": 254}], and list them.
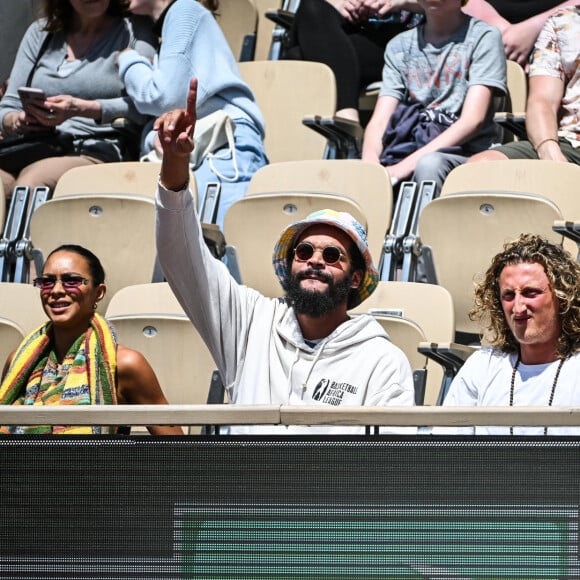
[
  {"x": 514, "y": 122},
  {"x": 344, "y": 136},
  {"x": 570, "y": 230},
  {"x": 214, "y": 238},
  {"x": 451, "y": 356}
]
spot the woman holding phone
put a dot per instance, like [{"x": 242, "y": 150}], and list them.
[{"x": 65, "y": 70}]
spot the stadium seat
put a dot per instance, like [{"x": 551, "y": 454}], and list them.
[
  {"x": 119, "y": 229},
  {"x": 430, "y": 306},
  {"x": 122, "y": 177},
  {"x": 367, "y": 183},
  {"x": 253, "y": 224},
  {"x": 513, "y": 115},
  {"x": 11, "y": 336},
  {"x": 552, "y": 179},
  {"x": 149, "y": 319},
  {"x": 238, "y": 20},
  {"x": 287, "y": 92},
  {"x": 21, "y": 304},
  {"x": 463, "y": 231}
]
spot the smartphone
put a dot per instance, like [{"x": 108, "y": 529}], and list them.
[{"x": 30, "y": 95}]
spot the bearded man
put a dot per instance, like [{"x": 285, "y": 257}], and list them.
[{"x": 303, "y": 349}]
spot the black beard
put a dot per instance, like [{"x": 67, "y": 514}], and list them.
[{"x": 312, "y": 302}]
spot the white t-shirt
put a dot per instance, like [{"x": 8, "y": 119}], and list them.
[{"x": 485, "y": 381}]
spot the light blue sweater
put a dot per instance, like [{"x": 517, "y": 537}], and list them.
[{"x": 193, "y": 45}]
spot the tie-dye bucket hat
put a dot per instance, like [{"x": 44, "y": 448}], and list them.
[{"x": 343, "y": 221}]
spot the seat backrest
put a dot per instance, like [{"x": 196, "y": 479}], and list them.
[
  {"x": 148, "y": 318},
  {"x": 286, "y": 92},
  {"x": 366, "y": 183},
  {"x": 11, "y": 336},
  {"x": 21, "y": 304},
  {"x": 430, "y": 306},
  {"x": 407, "y": 334},
  {"x": 253, "y": 225},
  {"x": 465, "y": 230},
  {"x": 552, "y": 179},
  {"x": 517, "y": 85},
  {"x": 119, "y": 229},
  {"x": 238, "y": 20},
  {"x": 122, "y": 177},
  {"x": 265, "y": 27}
]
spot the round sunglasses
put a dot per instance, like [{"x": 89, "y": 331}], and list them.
[{"x": 330, "y": 254}]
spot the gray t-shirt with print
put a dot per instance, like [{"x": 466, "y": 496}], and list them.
[{"x": 439, "y": 76}]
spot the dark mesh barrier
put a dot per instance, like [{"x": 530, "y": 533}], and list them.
[{"x": 333, "y": 508}]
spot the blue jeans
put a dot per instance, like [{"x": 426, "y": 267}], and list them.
[{"x": 250, "y": 157}]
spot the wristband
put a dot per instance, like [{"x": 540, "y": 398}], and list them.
[{"x": 545, "y": 141}]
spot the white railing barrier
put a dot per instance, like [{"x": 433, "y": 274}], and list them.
[{"x": 138, "y": 415}]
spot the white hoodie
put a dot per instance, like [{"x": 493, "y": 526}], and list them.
[{"x": 257, "y": 342}]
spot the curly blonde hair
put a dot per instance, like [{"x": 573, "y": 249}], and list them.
[{"x": 563, "y": 273}]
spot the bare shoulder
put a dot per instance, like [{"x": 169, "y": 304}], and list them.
[{"x": 129, "y": 359}]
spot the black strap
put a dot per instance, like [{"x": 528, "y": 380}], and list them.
[{"x": 41, "y": 51}]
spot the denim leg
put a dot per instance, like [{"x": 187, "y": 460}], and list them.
[
  {"x": 437, "y": 166},
  {"x": 250, "y": 157}
]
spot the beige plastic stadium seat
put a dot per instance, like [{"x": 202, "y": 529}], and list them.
[
  {"x": 238, "y": 20},
  {"x": 556, "y": 181},
  {"x": 465, "y": 230},
  {"x": 366, "y": 183},
  {"x": 11, "y": 336},
  {"x": 119, "y": 229},
  {"x": 122, "y": 177},
  {"x": 148, "y": 318},
  {"x": 253, "y": 224},
  {"x": 286, "y": 92},
  {"x": 407, "y": 335},
  {"x": 21, "y": 304},
  {"x": 430, "y": 306}
]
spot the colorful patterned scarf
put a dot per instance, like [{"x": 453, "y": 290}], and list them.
[{"x": 87, "y": 375}]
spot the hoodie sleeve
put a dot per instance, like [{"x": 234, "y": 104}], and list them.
[
  {"x": 219, "y": 308},
  {"x": 392, "y": 381}
]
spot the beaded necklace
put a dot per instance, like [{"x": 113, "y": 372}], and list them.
[{"x": 554, "y": 383}]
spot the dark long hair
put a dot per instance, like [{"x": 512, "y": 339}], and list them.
[{"x": 59, "y": 13}]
